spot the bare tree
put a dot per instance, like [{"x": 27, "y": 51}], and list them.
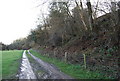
[
  {"x": 95, "y": 10},
  {"x": 81, "y": 14},
  {"x": 90, "y": 14}
]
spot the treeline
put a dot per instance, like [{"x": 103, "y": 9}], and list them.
[
  {"x": 3, "y": 46},
  {"x": 16, "y": 45},
  {"x": 63, "y": 25}
]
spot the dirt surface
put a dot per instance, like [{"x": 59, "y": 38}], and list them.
[
  {"x": 26, "y": 71},
  {"x": 49, "y": 71},
  {"x": 35, "y": 68}
]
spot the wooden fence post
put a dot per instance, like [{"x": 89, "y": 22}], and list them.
[
  {"x": 65, "y": 57},
  {"x": 84, "y": 60},
  {"x": 54, "y": 53}
]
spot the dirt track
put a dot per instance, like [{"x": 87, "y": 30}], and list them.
[
  {"x": 44, "y": 70},
  {"x": 26, "y": 69}
]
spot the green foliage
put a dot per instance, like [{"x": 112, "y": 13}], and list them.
[{"x": 109, "y": 50}]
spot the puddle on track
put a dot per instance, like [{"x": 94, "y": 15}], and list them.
[{"x": 26, "y": 71}]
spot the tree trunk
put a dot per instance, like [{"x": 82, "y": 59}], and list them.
[
  {"x": 81, "y": 15},
  {"x": 90, "y": 14}
]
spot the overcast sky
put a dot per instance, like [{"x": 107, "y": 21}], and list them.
[{"x": 18, "y": 17}]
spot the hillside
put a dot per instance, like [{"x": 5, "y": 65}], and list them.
[{"x": 101, "y": 51}]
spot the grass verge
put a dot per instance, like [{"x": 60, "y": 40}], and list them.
[
  {"x": 0, "y": 65},
  {"x": 10, "y": 63},
  {"x": 75, "y": 71}
]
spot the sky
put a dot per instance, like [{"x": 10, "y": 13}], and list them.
[{"x": 17, "y": 18}]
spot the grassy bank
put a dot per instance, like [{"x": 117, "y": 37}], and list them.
[
  {"x": 10, "y": 63},
  {"x": 75, "y": 71},
  {"x": 0, "y": 65}
]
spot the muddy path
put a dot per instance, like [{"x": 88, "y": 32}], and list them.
[
  {"x": 50, "y": 71},
  {"x": 33, "y": 67},
  {"x": 26, "y": 71}
]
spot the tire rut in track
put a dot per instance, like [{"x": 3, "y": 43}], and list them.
[{"x": 50, "y": 71}]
